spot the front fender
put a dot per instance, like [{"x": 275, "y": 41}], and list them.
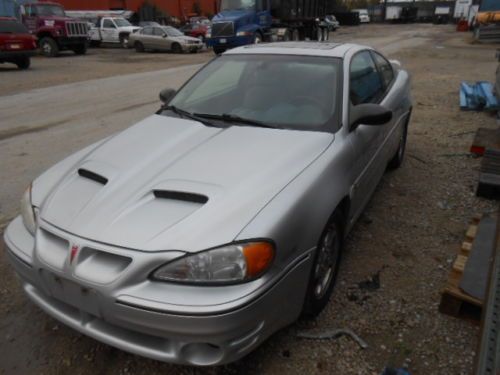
[{"x": 295, "y": 218}]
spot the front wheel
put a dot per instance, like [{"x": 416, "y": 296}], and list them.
[
  {"x": 23, "y": 62},
  {"x": 176, "y": 48},
  {"x": 218, "y": 50},
  {"x": 124, "y": 40},
  {"x": 139, "y": 47},
  {"x": 49, "y": 47},
  {"x": 325, "y": 268}
]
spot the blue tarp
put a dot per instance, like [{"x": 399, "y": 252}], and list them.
[{"x": 478, "y": 96}]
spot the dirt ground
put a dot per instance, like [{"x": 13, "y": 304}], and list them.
[
  {"x": 404, "y": 244},
  {"x": 97, "y": 63}
]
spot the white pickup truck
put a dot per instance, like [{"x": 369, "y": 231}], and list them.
[{"x": 111, "y": 30}]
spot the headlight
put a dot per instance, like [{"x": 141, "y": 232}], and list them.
[
  {"x": 244, "y": 33},
  {"x": 228, "y": 264},
  {"x": 27, "y": 211}
]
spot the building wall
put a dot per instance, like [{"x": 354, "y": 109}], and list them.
[{"x": 177, "y": 8}]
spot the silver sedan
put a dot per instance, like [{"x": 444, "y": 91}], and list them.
[
  {"x": 163, "y": 38},
  {"x": 194, "y": 235}
]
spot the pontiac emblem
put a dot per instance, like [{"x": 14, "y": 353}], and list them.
[{"x": 73, "y": 252}]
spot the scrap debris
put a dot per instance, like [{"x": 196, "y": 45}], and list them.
[{"x": 332, "y": 334}]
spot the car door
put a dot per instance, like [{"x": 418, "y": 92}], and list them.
[
  {"x": 109, "y": 32},
  {"x": 366, "y": 86},
  {"x": 146, "y": 36},
  {"x": 159, "y": 39}
]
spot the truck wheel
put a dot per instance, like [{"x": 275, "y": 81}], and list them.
[
  {"x": 218, "y": 50},
  {"x": 124, "y": 40},
  {"x": 139, "y": 47},
  {"x": 176, "y": 48},
  {"x": 80, "y": 49},
  {"x": 23, "y": 62},
  {"x": 325, "y": 267},
  {"x": 49, "y": 47},
  {"x": 95, "y": 43}
]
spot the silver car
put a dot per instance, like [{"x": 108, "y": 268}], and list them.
[
  {"x": 195, "y": 234},
  {"x": 163, "y": 38}
]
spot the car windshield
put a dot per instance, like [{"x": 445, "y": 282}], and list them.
[
  {"x": 121, "y": 22},
  {"x": 237, "y": 4},
  {"x": 49, "y": 10},
  {"x": 282, "y": 91},
  {"x": 12, "y": 27},
  {"x": 172, "y": 31}
]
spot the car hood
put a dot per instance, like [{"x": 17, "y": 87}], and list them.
[{"x": 169, "y": 183}]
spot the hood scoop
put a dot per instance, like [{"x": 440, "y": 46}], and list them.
[
  {"x": 181, "y": 196},
  {"x": 92, "y": 176}
]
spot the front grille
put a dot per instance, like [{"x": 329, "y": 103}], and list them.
[
  {"x": 76, "y": 29},
  {"x": 222, "y": 29}
]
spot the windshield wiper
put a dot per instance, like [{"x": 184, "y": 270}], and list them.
[
  {"x": 226, "y": 117},
  {"x": 186, "y": 114}
]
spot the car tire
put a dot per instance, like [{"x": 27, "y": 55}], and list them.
[
  {"x": 124, "y": 40},
  {"x": 49, "y": 47},
  {"x": 176, "y": 48},
  {"x": 398, "y": 157},
  {"x": 80, "y": 49},
  {"x": 258, "y": 38},
  {"x": 325, "y": 268},
  {"x": 139, "y": 47},
  {"x": 23, "y": 62},
  {"x": 219, "y": 51}
]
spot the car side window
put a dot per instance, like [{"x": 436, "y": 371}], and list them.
[
  {"x": 385, "y": 69},
  {"x": 108, "y": 24},
  {"x": 147, "y": 31},
  {"x": 158, "y": 32},
  {"x": 365, "y": 82}
]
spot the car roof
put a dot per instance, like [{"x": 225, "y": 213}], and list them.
[{"x": 329, "y": 49}]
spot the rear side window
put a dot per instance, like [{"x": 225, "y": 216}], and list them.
[
  {"x": 365, "y": 82},
  {"x": 12, "y": 27},
  {"x": 385, "y": 69}
]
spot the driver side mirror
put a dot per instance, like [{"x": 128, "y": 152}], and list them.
[
  {"x": 369, "y": 114},
  {"x": 164, "y": 35},
  {"x": 166, "y": 95}
]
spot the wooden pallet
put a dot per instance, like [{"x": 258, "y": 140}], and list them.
[{"x": 453, "y": 300}]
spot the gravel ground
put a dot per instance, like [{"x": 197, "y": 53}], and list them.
[{"x": 396, "y": 261}]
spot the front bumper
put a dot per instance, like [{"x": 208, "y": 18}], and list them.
[
  {"x": 134, "y": 323},
  {"x": 68, "y": 42},
  {"x": 230, "y": 41}
]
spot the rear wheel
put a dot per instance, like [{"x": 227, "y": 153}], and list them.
[
  {"x": 23, "y": 62},
  {"x": 49, "y": 47},
  {"x": 325, "y": 268},
  {"x": 176, "y": 48},
  {"x": 139, "y": 47}
]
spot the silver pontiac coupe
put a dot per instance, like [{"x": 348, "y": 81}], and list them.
[{"x": 194, "y": 235}]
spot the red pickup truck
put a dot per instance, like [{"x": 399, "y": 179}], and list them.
[
  {"x": 54, "y": 30},
  {"x": 17, "y": 45}
]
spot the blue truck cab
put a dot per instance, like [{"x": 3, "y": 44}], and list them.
[{"x": 240, "y": 22}]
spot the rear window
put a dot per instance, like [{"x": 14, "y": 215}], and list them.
[{"x": 12, "y": 27}]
